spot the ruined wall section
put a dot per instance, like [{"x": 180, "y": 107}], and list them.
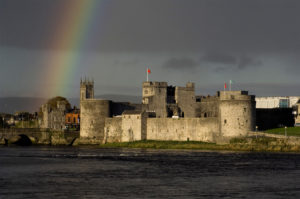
[
  {"x": 155, "y": 98},
  {"x": 54, "y": 118},
  {"x": 183, "y": 129},
  {"x": 236, "y": 113},
  {"x": 93, "y": 114},
  {"x": 185, "y": 99}
]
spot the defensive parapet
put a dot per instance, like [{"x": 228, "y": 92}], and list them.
[{"x": 236, "y": 113}]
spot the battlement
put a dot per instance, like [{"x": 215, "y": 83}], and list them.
[
  {"x": 86, "y": 89},
  {"x": 234, "y": 95},
  {"x": 86, "y": 82},
  {"x": 155, "y": 84}
]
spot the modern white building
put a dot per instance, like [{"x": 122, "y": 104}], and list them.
[{"x": 276, "y": 102}]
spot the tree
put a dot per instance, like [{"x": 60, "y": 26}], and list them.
[{"x": 53, "y": 102}]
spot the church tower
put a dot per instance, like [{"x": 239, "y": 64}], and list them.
[{"x": 86, "y": 90}]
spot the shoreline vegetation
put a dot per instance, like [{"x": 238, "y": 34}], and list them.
[
  {"x": 259, "y": 144},
  {"x": 273, "y": 140}
]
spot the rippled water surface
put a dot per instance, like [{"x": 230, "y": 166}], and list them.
[{"x": 66, "y": 172}]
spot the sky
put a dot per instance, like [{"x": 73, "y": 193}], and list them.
[{"x": 47, "y": 46}]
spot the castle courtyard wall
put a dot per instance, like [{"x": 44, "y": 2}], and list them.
[{"x": 183, "y": 129}]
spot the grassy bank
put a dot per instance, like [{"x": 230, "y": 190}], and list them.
[
  {"x": 240, "y": 144},
  {"x": 291, "y": 131}
]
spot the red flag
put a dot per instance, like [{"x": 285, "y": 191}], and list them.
[
  {"x": 225, "y": 85},
  {"x": 148, "y": 71}
]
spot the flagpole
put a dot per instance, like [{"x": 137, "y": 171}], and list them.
[
  {"x": 230, "y": 85},
  {"x": 147, "y": 75}
]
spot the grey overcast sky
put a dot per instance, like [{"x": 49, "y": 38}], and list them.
[{"x": 255, "y": 43}]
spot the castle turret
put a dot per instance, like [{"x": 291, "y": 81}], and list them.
[
  {"x": 186, "y": 100},
  {"x": 155, "y": 98},
  {"x": 236, "y": 113}
]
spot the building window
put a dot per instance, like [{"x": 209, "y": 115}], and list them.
[
  {"x": 283, "y": 103},
  {"x": 225, "y": 121},
  {"x": 69, "y": 119}
]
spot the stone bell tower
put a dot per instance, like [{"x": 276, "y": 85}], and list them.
[{"x": 86, "y": 90}]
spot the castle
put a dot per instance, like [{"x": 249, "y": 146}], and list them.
[{"x": 166, "y": 113}]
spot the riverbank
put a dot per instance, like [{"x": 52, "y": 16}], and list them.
[{"x": 259, "y": 144}]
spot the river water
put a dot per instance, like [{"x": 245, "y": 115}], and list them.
[{"x": 85, "y": 172}]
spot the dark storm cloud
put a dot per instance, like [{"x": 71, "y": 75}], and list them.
[
  {"x": 155, "y": 25},
  {"x": 182, "y": 64},
  {"x": 219, "y": 58},
  {"x": 223, "y": 62},
  {"x": 219, "y": 62},
  {"x": 245, "y": 62}
]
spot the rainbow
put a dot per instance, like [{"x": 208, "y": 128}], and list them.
[{"x": 72, "y": 31}]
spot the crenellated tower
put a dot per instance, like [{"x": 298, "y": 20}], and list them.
[{"x": 86, "y": 90}]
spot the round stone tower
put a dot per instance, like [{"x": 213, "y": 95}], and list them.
[
  {"x": 236, "y": 113},
  {"x": 93, "y": 114}
]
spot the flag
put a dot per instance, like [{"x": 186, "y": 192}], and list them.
[
  {"x": 148, "y": 71},
  {"x": 225, "y": 85},
  {"x": 230, "y": 81}
]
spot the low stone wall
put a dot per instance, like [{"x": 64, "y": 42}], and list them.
[{"x": 183, "y": 129}]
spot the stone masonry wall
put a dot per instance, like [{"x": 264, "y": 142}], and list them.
[
  {"x": 113, "y": 129},
  {"x": 183, "y": 129},
  {"x": 93, "y": 114},
  {"x": 185, "y": 98},
  {"x": 236, "y": 113},
  {"x": 132, "y": 127}
]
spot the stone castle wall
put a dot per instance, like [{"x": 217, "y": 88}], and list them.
[
  {"x": 130, "y": 128},
  {"x": 113, "y": 130},
  {"x": 183, "y": 129}
]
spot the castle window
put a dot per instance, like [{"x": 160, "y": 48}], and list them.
[
  {"x": 225, "y": 121},
  {"x": 146, "y": 92},
  {"x": 245, "y": 110},
  {"x": 205, "y": 114}
]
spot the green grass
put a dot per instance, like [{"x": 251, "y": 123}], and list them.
[
  {"x": 236, "y": 144},
  {"x": 291, "y": 131}
]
